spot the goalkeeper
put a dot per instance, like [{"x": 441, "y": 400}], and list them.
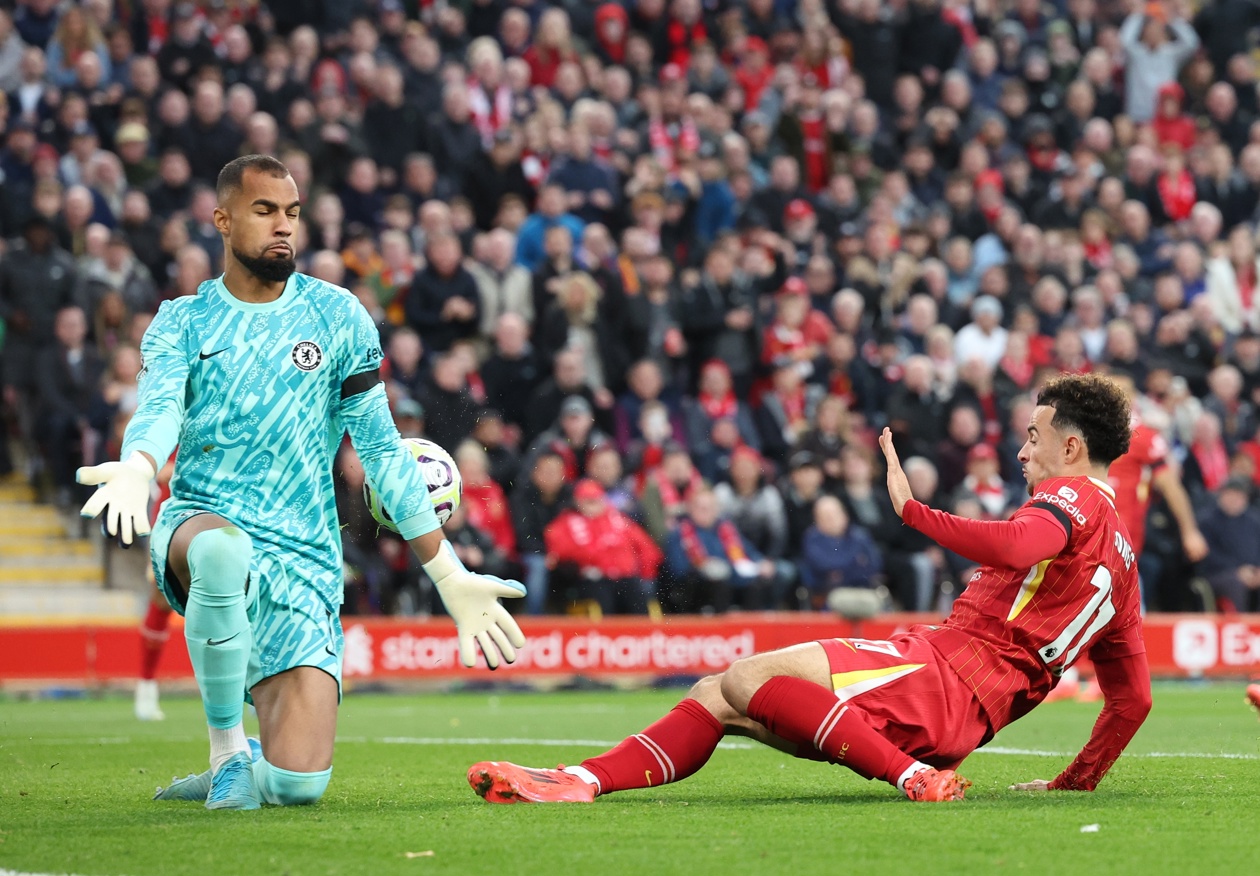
[{"x": 256, "y": 378}]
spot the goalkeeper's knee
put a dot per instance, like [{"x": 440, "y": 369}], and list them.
[
  {"x": 287, "y": 788},
  {"x": 218, "y": 565}
]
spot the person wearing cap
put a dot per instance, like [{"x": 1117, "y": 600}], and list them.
[
  {"x": 409, "y": 418},
  {"x": 798, "y": 333},
  {"x": 984, "y": 482},
  {"x": 801, "y": 488},
  {"x": 573, "y": 436},
  {"x": 612, "y": 559},
  {"x": 132, "y": 144},
  {"x": 1232, "y": 563}
]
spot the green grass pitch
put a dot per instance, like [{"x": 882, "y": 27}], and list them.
[{"x": 76, "y": 777}]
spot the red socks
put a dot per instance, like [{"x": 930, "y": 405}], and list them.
[
  {"x": 670, "y": 750},
  {"x": 810, "y": 715},
  {"x": 153, "y": 636}
]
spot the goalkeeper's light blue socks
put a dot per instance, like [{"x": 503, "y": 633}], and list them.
[
  {"x": 282, "y": 787},
  {"x": 218, "y": 633}
]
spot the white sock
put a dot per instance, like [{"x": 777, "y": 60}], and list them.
[
  {"x": 584, "y": 774},
  {"x": 916, "y": 767},
  {"x": 224, "y": 743}
]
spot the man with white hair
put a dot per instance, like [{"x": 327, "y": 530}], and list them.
[
  {"x": 982, "y": 338},
  {"x": 505, "y": 286}
]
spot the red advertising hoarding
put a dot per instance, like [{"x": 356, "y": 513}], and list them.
[{"x": 382, "y": 649}]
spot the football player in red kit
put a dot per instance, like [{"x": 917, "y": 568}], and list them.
[{"x": 1057, "y": 581}]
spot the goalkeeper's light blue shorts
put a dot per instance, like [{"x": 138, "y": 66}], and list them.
[{"x": 291, "y": 624}]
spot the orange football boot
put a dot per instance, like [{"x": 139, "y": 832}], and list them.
[
  {"x": 503, "y": 782},
  {"x": 936, "y": 786},
  {"x": 1253, "y": 695}
]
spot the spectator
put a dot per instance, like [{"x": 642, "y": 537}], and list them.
[
  {"x": 614, "y": 559},
  {"x": 443, "y": 303},
  {"x": 1231, "y": 283},
  {"x": 572, "y": 436},
  {"x": 536, "y": 502},
  {"x": 484, "y": 499},
  {"x": 983, "y": 337},
  {"x": 1152, "y": 59},
  {"x": 474, "y": 546},
  {"x": 496, "y": 174},
  {"x": 118, "y": 270},
  {"x": 449, "y": 404},
  {"x": 66, "y": 380},
  {"x": 37, "y": 280},
  {"x": 1232, "y": 565},
  {"x": 711, "y": 565},
  {"x": 836, "y": 553},
  {"x": 551, "y": 211}
]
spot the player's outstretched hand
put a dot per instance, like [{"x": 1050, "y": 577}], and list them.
[
  {"x": 472, "y": 601},
  {"x": 1034, "y": 785},
  {"x": 122, "y": 494},
  {"x": 898, "y": 486}
]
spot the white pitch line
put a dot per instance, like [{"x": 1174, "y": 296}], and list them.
[
  {"x": 608, "y": 743},
  {"x": 4, "y": 872}
]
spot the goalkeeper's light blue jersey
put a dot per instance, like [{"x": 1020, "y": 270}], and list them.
[{"x": 258, "y": 397}]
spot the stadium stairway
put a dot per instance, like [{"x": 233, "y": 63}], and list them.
[{"x": 48, "y": 572}]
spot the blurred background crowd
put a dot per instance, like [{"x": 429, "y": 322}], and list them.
[{"x": 657, "y": 271}]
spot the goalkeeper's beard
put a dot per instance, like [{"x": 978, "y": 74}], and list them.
[{"x": 266, "y": 268}]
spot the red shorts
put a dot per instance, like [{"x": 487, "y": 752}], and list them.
[{"x": 910, "y": 695}]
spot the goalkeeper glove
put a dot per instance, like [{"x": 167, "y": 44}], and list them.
[
  {"x": 122, "y": 494},
  {"x": 472, "y": 601}
]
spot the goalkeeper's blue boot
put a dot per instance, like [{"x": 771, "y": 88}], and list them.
[
  {"x": 196, "y": 788},
  {"x": 232, "y": 785}
]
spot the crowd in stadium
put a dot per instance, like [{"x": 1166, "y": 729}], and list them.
[{"x": 656, "y": 272}]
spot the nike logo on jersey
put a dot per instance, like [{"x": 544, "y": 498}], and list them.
[
  {"x": 212, "y": 642},
  {"x": 204, "y": 356}
]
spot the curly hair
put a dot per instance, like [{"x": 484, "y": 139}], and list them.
[{"x": 1096, "y": 407}]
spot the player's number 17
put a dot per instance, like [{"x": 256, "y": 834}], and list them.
[{"x": 1098, "y": 607}]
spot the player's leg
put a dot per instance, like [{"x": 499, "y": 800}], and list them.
[
  {"x": 671, "y": 749},
  {"x": 209, "y": 559},
  {"x": 793, "y": 694},
  {"x": 153, "y": 635},
  {"x": 297, "y": 722}
]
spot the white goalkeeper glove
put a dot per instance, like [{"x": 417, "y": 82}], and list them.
[
  {"x": 122, "y": 493},
  {"x": 472, "y": 601}
]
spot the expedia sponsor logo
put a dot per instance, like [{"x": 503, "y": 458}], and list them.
[
  {"x": 1060, "y": 502},
  {"x": 1068, "y": 494}
]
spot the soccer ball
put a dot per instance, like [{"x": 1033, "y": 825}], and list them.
[{"x": 446, "y": 487}]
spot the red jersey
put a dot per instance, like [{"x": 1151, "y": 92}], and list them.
[
  {"x": 612, "y": 543},
  {"x": 1058, "y": 581},
  {"x": 1130, "y": 478}
]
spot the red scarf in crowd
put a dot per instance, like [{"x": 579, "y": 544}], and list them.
[
  {"x": 1020, "y": 373},
  {"x": 719, "y": 407},
  {"x": 489, "y": 116},
  {"x": 1246, "y": 280},
  {"x": 671, "y": 496},
  {"x": 535, "y": 166},
  {"x": 1177, "y": 195},
  {"x": 814, "y": 141},
  {"x": 1213, "y": 463},
  {"x": 680, "y": 37},
  {"x": 562, "y": 449},
  {"x": 731, "y": 542},
  {"x": 665, "y": 145}
]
